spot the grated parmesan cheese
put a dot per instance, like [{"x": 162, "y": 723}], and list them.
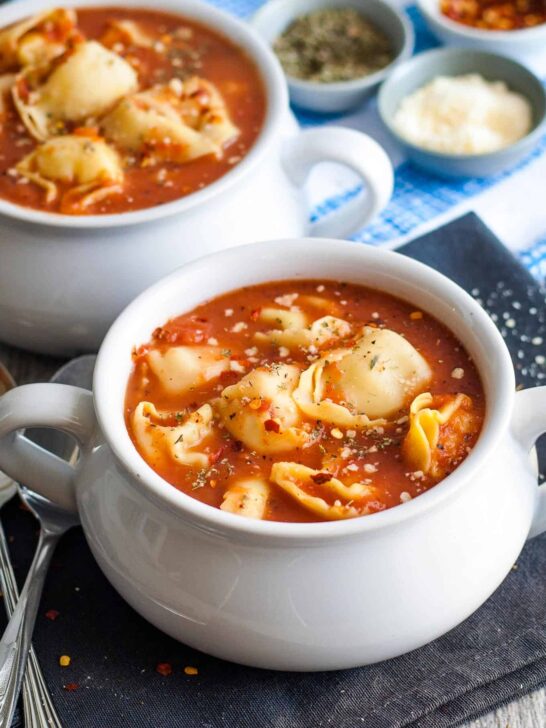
[{"x": 463, "y": 115}]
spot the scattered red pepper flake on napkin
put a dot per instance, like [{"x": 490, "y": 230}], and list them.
[
  {"x": 164, "y": 668},
  {"x": 70, "y": 687}
]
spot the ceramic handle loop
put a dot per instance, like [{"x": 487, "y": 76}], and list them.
[
  {"x": 59, "y": 406},
  {"x": 355, "y": 150},
  {"x": 528, "y": 424}
]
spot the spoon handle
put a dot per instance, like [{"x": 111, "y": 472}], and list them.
[
  {"x": 38, "y": 706},
  {"x": 16, "y": 640}
]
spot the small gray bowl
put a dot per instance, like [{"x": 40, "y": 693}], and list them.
[
  {"x": 455, "y": 62},
  {"x": 276, "y": 15}
]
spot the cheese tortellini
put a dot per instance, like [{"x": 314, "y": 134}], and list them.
[
  {"x": 297, "y": 480},
  {"x": 419, "y": 448},
  {"x": 247, "y": 497},
  {"x": 291, "y": 329},
  {"x": 89, "y": 164},
  {"x": 177, "y": 122},
  {"x": 259, "y": 410},
  {"x": 364, "y": 385},
  {"x": 154, "y": 435},
  {"x": 38, "y": 39},
  {"x": 86, "y": 84},
  {"x": 182, "y": 368}
]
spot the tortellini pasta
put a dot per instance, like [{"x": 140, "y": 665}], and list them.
[
  {"x": 154, "y": 435},
  {"x": 419, "y": 448},
  {"x": 259, "y": 410},
  {"x": 85, "y": 84},
  {"x": 247, "y": 497},
  {"x": 88, "y": 163},
  {"x": 182, "y": 367},
  {"x": 291, "y": 329},
  {"x": 37, "y": 40},
  {"x": 283, "y": 318},
  {"x": 178, "y": 122},
  {"x": 297, "y": 480},
  {"x": 364, "y": 385}
]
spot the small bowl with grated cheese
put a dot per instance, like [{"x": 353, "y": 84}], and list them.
[{"x": 460, "y": 113}]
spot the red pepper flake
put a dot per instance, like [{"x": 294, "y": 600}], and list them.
[
  {"x": 272, "y": 426},
  {"x": 240, "y": 360},
  {"x": 92, "y": 132},
  {"x": 229, "y": 377},
  {"x": 321, "y": 478},
  {"x": 23, "y": 89},
  {"x": 255, "y": 314},
  {"x": 187, "y": 331},
  {"x": 215, "y": 456},
  {"x": 164, "y": 668},
  {"x": 70, "y": 687},
  {"x": 52, "y": 614},
  {"x": 237, "y": 446}
]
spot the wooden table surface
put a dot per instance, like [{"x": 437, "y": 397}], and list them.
[{"x": 528, "y": 711}]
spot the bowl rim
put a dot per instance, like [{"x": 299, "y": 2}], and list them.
[
  {"x": 226, "y": 25},
  {"x": 429, "y": 56},
  {"x": 355, "y": 84},
  {"x": 165, "y": 495},
  {"x": 430, "y": 8}
]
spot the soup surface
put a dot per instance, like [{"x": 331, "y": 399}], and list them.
[
  {"x": 304, "y": 401},
  {"x": 114, "y": 109}
]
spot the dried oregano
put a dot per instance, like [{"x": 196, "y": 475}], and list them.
[{"x": 332, "y": 44}]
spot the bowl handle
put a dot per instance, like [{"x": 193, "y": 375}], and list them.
[
  {"x": 352, "y": 149},
  {"x": 528, "y": 424},
  {"x": 59, "y": 406}
]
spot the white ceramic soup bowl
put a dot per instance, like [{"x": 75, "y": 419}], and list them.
[
  {"x": 314, "y": 596},
  {"x": 64, "y": 279}
]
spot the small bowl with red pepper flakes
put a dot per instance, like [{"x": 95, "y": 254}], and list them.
[{"x": 515, "y": 28}]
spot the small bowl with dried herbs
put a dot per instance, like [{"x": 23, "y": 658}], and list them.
[{"x": 334, "y": 52}]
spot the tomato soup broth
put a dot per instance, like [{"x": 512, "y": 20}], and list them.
[
  {"x": 166, "y": 51},
  {"x": 246, "y": 330}
]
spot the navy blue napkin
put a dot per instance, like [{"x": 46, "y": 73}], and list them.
[{"x": 497, "y": 654}]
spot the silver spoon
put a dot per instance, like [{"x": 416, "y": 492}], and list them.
[
  {"x": 54, "y": 522},
  {"x": 37, "y": 705},
  {"x": 16, "y": 640}
]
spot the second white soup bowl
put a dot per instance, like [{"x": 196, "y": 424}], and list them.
[
  {"x": 289, "y": 596},
  {"x": 64, "y": 279}
]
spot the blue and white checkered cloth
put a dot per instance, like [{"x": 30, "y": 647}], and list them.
[{"x": 512, "y": 204}]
